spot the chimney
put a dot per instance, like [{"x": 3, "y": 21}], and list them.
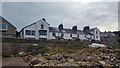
[
  {"x": 86, "y": 29},
  {"x": 74, "y": 28},
  {"x": 60, "y": 27}
]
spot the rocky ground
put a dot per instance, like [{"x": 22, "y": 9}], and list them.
[{"x": 85, "y": 57}]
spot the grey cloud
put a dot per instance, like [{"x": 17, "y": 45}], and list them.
[{"x": 94, "y": 14}]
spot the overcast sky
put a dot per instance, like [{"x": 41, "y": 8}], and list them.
[{"x": 103, "y": 15}]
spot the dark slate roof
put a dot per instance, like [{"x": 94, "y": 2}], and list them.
[
  {"x": 92, "y": 29},
  {"x": 65, "y": 30},
  {"x": 53, "y": 29}
]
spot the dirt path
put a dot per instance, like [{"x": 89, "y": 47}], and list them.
[{"x": 13, "y": 61}]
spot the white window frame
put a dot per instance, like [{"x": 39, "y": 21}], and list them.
[
  {"x": 6, "y": 27},
  {"x": 30, "y": 32}
]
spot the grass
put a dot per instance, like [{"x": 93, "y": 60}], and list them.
[
  {"x": 44, "y": 49},
  {"x": 70, "y": 49},
  {"x": 116, "y": 47},
  {"x": 6, "y": 54},
  {"x": 65, "y": 51},
  {"x": 90, "y": 51},
  {"x": 30, "y": 48}
]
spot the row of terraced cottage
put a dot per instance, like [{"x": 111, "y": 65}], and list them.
[{"x": 41, "y": 30}]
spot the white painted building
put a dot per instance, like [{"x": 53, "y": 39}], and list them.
[{"x": 42, "y": 30}]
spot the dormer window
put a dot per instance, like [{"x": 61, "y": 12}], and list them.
[{"x": 42, "y": 26}]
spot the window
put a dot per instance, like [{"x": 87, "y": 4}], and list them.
[
  {"x": 96, "y": 32},
  {"x": 62, "y": 34},
  {"x": 27, "y": 32},
  {"x": 33, "y": 32},
  {"x": 42, "y": 26},
  {"x": 85, "y": 36},
  {"x": 0, "y": 26},
  {"x": 30, "y": 32},
  {"x": 3, "y": 26},
  {"x": 53, "y": 34},
  {"x": 42, "y": 32},
  {"x": 96, "y": 36},
  {"x": 70, "y": 35},
  {"x": 78, "y": 35}
]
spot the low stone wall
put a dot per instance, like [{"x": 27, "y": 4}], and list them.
[
  {"x": 14, "y": 48},
  {"x": 19, "y": 40}
]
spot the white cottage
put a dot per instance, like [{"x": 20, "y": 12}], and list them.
[
  {"x": 42, "y": 30},
  {"x": 37, "y": 30}
]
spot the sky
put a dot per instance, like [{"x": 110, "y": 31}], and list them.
[{"x": 103, "y": 15}]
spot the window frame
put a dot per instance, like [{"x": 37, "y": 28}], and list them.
[
  {"x": 96, "y": 36},
  {"x": 53, "y": 34},
  {"x": 78, "y": 35},
  {"x": 70, "y": 35},
  {"x": 26, "y": 32},
  {"x": 1, "y": 25},
  {"x": 43, "y": 32},
  {"x": 31, "y": 32},
  {"x": 62, "y": 34},
  {"x": 96, "y": 32},
  {"x": 42, "y": 26}
]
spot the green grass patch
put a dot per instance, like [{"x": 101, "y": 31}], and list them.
[
  {"x": 65, "y": 51},
  {"x": 6, "y": 54},
  {"x": 30, "y": 48},
  {"x": 44, "y": 49},
  {"x": 116, "y": 47},
  {"x": 90, "y": 51}
]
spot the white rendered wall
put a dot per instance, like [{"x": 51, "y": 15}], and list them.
[
  {"x": 67, "y": 36},
  {"x": 36, "y": 27},
  {"x": 74, "y": 35},
  {"x": 94, "y": 33},
  {"x": 51, "y": 37},
  {"x": 82, "y": 37}
]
